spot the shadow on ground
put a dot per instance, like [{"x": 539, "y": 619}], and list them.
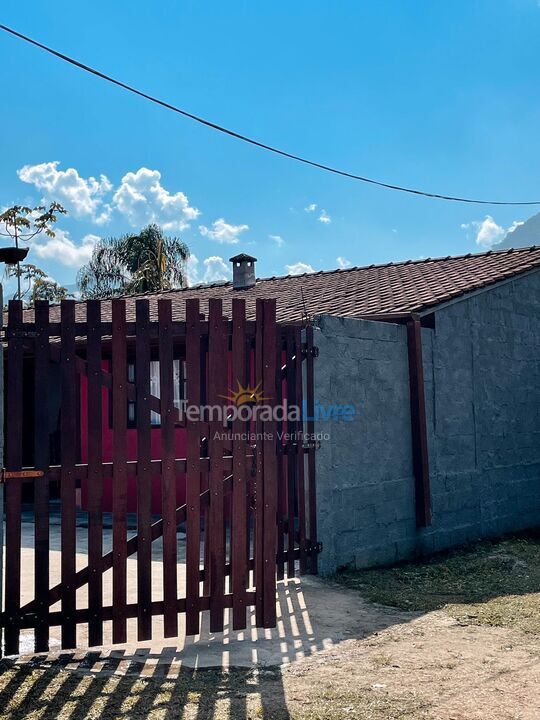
[
  {"x": 227, "y": 675},
  {"x": 89, "y": 688}
]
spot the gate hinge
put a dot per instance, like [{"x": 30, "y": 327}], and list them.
[
  {"x": 19, "y": 474},
  {"x": 313, "y": 351},
  {"x": 314, "y": 548},
  {"x": 312, "y": 445},
  {"x": 20, "y": 334}
]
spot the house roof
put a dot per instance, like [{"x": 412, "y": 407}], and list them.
[{"x": 402, "y": 287}]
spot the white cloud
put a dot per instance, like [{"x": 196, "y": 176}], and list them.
[
  {"x": 311, "y": 208},
  {"x": 192, "y": 270},
  {"x": 80, "y": 196},
  {"x": 298, "y": 268},
  {"x": 515, "y": 225},
  {"x": 142, "y": 199},
  {"x": 277, "y": 239},
  {"x": 62, "y": 249},
  {"x": 488, "y": 232},
  {"x": 215, "y": 269},
  {"x": 343, "y": 262},
  {"x": 222, "y": 232},
  {"x": 324, "y": 217}
]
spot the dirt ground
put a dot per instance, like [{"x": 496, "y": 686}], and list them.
[
  {"x": 427, "y": 666},
  {"x": 332, "y": 655}
]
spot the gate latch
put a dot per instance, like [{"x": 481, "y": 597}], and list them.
[{"x": 19, "y": 474}]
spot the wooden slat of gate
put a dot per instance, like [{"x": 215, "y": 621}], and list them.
[
  {"x": 281, "y": 499},
  {"x": 193, "y": 473},
  {"x": 168, "y": 475},
  {"x": 310, "y": 404},
  {"x": 95, "y": 473},
  {"x": 300, "y": 460},
  {"x": 269, "y": 473},
  {"x": 41, "y": 484},
  {"x": 259, "y": 481},
  {"x": 217, "y": 385},
  {"x": 251, "y": 469},
  {"x": 204, "y": 360},
  {"x": 239, "y": 491},
  {"x": 119, "y": 493},
  {"x": 13, "y": 462},
  {"x": 144, "y": 478},
  {"x": 68, "y": 444},
  {"x": 291, "y": 451}
]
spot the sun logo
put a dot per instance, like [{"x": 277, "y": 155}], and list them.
[{"x": 245, "y": 395}]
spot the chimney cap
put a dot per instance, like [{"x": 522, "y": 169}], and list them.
[{"x": 242, "y": 257}]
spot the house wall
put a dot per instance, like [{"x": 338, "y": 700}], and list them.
[
  {"x": 180, "y": 439},
  {"x": 482, "y": 383},
  {"x": 131, "y": 448},
  {"x": 482, "y": 370},
  {"x": 365, "y": 498}
]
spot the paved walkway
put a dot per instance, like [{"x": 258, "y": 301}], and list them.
[{"x": 312, "y": 616}]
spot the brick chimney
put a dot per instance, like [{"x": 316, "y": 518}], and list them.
[{"x": 243, "y": 271}]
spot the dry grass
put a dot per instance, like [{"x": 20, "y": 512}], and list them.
[
  {"x": 414, "y": 668},
  {"x": 41, "y": 693},
  {"x": 488, "y": 583}
]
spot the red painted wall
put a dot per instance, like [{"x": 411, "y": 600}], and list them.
[
  {"x": 108, "y": 439},
  {"x": 107, "y": 435}
]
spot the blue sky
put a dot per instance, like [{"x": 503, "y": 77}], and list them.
[{"x": 437, "y": 95}]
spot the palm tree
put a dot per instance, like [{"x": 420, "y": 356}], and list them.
[{"x": 147, "y": 262}]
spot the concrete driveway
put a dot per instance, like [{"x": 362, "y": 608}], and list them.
[{"x": 312, "y": 616}]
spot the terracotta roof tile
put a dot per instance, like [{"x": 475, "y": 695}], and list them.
[{"x": 409, "y": 286}]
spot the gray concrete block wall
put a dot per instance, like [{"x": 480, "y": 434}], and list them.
[
  {"x": 482, "y": 387},
  {"x": 484, "y": 422},
  {"x": 365, "y": 495}
]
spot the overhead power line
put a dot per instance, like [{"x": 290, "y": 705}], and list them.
[{"x": 252, "y": 141}]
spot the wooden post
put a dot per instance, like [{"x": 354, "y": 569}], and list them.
[
  {"x": 193, "y": 469},
  {"x": 144, "y": 475},
  {"x": 310, "y": 425},
  {"x": 168, "y": 475},
  {"x": 217, "y": 386},
  {"x": 291, "y": 452},
  {"x": 239, "y": 490},
  {"x": 259, "y": 483},
  {"x": 68, "y": 458},
  {"x": 300, "y": 462},
  {"x": 119, "y": 494},
  {"x": 41, "y": 462},
  {"x": 418, "y": 423},
  {"x": 95, "y": 472},
  {"x": 269, "y": 467}
]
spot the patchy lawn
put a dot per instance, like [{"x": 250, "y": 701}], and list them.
[{"x": 488, "y": 583}]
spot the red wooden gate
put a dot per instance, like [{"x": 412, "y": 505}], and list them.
[{"x": 244, "y": 494}]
